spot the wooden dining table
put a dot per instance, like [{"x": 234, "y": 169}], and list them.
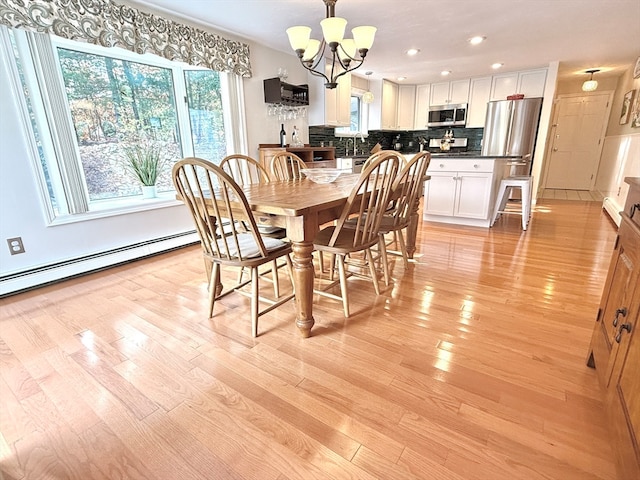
[{"x": 302, "y": 207}]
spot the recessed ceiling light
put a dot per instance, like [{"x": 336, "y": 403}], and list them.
[
  {"x": 477, "y": 39},
  {"x": 496, "y": 66},
  {"x": 400, "y": 79},
  {"x": 413, "y": 51},
  {"x": 444, "y": 73}
]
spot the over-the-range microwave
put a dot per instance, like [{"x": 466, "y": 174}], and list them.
[{"x": 447, "y": 115}]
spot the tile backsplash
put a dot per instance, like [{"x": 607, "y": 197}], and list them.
[{"x": 409, "y": 139}]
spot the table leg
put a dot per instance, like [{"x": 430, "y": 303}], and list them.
[
  {"x": 412, "y": 230},
  {"x": 303, "y": 276}
]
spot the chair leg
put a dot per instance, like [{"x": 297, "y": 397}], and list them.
[
  {"x": 403, "y": 249},
  {"x": 332, "y": 266},
  {"x": 382, "y": 246},
  {"x": 321, "y": 261},
  {"x": 343, "y": 285},
  {"x": 214, "y": 278},
  {"x": 372, "y": 269},
  {"x": 276, "y": 283},
  {"x": 290, "y": 269},
  {"x": 254, "y": 301}
]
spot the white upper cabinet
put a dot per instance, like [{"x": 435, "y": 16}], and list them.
[
  {"x": 504, "y": 85},
  {"x": 445, "y": 93},
  {"x": 530, "y": 83},
  {"x": 423, "y": 93},
  {"x": 479, "y": 95},
  {"x": 406, "y": 106},
  {"x": 383, "y": 112},
  {"x": 330, "y": 107}
]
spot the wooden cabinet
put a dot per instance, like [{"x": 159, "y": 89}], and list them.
[
  {"x": 319, "y": 156},
  {"x": 423, "y": 93},
  {"x": 277, "y": 91},
  {"x": 406, "y": 106},
  {"x": 615, "y": 343},
  {"x": 460, "y": 190},
  {"x": 479, "y": 95},
  {"x": 454, "y": 92},
  {"x": 330, "y": 107},
  {"x": 529, "y": 82}
]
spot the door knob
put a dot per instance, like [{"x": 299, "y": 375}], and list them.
[
  {"x": 624, "y": 326},
  {"x": 621, "y": 311},
  {"x": 555, "y": 149}
]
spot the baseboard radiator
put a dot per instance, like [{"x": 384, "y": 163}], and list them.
[
  {"x": 37, "y": 277},
  {"x": 612, "y": 209}
]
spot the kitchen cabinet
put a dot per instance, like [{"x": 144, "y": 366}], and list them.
[
  {"x": 615, "y": 342},
  {"x": 529, "y": 82},
  {"x": 406, "y": 106},
  {"x": 330, "y": 107},
  {"x": 462, "y": 190},
  {"x": 454, "y": 92},
  {"x": 421, "y": 116},
  {"x": 479, "y": 95},
  {"x": 383, "y": 111}
]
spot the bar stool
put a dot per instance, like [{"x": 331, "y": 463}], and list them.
[{"x": 524, "y": 182}]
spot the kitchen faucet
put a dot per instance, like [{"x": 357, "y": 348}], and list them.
[{"x": 355, "y": 145}]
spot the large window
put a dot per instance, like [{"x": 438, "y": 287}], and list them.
[{"x": 92, "y": 106}]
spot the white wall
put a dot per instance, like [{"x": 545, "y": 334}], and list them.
[
  {"x": 21, "y": 203},
  {"x": 621, "y": 151},
  {"x": 262, "y": 128}
]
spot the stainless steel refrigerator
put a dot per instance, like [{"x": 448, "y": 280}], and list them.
[{"x": 510, "y": 128}]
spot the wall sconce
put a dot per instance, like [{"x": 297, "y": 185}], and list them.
[{"x": 591, "y": 84}]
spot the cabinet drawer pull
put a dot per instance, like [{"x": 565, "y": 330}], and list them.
[
  {"x": 621, "y": 311},
  {"x": 624, "y": 326},
  {"x": 475, "y": 165},
  {"x": 442, "y": 165}
]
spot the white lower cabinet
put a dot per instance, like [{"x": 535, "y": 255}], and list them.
[{"x": 462, "y": 190}]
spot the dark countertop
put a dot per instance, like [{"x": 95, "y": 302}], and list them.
[{"x": 467, "y": 154}]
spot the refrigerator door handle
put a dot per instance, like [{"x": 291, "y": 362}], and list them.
[{"x": 507, "y": 150}]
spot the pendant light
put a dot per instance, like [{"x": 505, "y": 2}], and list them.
[
  {"x": 367, "y": 97},
  {"x": 591, "y": 84}
]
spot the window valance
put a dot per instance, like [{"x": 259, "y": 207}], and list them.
[{"x": 106, "y": 23}]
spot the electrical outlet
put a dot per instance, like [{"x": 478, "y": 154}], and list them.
[{"x": 15, "y": 245}]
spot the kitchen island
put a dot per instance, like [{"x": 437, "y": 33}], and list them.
[{"x": 463, "y": 187}]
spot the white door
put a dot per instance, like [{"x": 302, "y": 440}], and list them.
[{"x": 580, "y": 123}]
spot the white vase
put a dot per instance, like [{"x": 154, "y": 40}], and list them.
[{"x": 149, "y": 191}]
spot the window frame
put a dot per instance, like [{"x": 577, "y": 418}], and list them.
[
  {"x": 59, "y": 150},
  {"x": 364, "y": 118}
]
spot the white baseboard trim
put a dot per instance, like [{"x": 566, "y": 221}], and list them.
[
  {"x": 612, "y": 209},
  {"x": 17, "y": 282}
]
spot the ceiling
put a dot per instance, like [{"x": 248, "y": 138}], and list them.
[{"x": 521, "y": 34}]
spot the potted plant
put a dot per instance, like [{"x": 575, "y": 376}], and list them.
[{"x": 144, "y": 163}]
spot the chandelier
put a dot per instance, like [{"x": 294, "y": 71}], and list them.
[
  {"x": 347, "y": 54},
  {"x": 591, "y": 84}
]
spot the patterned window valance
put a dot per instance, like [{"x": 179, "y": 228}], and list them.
[{"x": 106, "y": 23}]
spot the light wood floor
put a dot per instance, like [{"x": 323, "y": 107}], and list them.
[
  {"x": 559, "y": 194},
  {"x": 470, "y": 366}
]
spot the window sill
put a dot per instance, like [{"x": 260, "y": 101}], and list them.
[{"x": 112, "y": 208}]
